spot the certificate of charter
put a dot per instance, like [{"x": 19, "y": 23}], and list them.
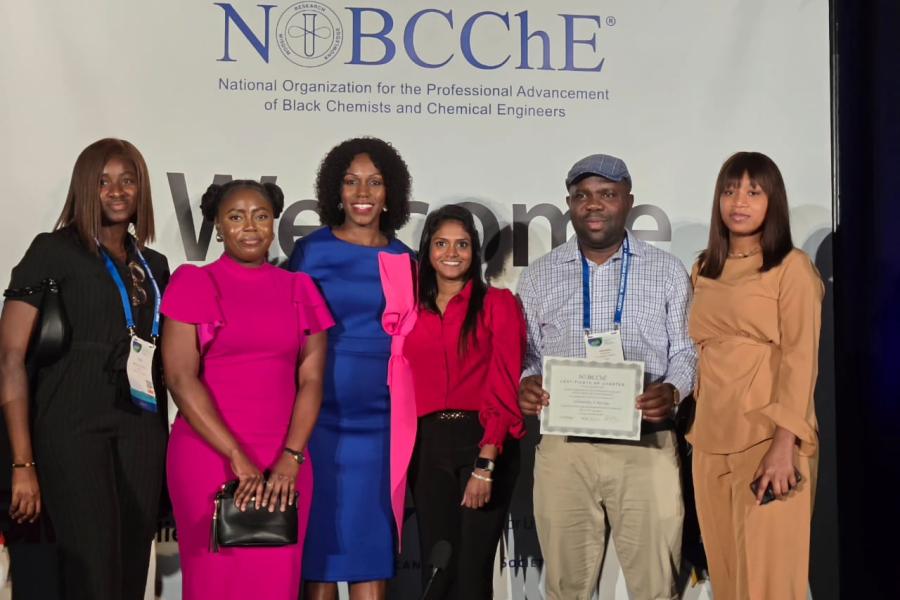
[{"x": 592, "y": 398}]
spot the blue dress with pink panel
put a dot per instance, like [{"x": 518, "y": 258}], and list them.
[{"x": 351, "y": 526}]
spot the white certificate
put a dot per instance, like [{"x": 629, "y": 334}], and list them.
[{"x": 592, "y": 398}]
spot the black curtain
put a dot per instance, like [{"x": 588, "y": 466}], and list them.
[{"x": 866, "y": 39}]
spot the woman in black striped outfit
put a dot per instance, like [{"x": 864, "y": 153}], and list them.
[{"x": 88, "y": 445}]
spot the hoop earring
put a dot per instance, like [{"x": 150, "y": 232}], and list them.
[{"x": 219, "y": 237}]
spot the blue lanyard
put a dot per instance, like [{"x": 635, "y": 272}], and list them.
[
  {"x": 123, "y": 293},
  {"x": 586, "y": 288}
]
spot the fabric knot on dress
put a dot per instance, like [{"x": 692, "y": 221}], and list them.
[{"x": 398, "y": 319}]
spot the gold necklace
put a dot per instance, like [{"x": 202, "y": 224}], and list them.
[{"x": 744, "y": 254}]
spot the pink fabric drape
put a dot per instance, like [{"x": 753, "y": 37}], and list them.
[{"x": 398, "y": 320}]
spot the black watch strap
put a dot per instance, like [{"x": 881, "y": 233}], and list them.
[{"x": 484, "y": 464}]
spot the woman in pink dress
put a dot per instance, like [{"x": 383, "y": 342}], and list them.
[{"x": 244, "y": 355}]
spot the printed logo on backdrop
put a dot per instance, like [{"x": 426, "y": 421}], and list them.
[
  {"x": 309, "y": 34},
  {"x": 423, "y": 41}
]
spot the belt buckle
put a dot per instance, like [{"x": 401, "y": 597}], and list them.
[{"x": 452, "y": 415}]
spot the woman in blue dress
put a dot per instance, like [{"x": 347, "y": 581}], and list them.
[{"x": 363, "y": 189}]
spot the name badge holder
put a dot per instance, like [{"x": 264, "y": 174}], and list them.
[
  {"x": 608, "y": 344},
  {"x": 140, "y": 353}
]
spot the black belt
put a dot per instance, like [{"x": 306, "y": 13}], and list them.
[{"x": 452, "y": 415}]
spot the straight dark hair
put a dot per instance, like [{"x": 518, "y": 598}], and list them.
[
  {"x": 776, "y": 239},
  {"x": 82, "y": 208},
  {"x": 427, "y": 293}
]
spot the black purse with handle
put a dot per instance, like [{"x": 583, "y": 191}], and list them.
[
  {"x": 35, "y": 562},
  {"x": 52, "y": 333},
  {"x": 232, "y": 527},
  {"x": 48, "y": 343}
]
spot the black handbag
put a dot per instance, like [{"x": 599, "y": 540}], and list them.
[
  {"x": 52, "y": 333},
  {"x": 48, "y": 343},
  {"x": 34, "y": 556},
  {"x": 232, "y": 527}
]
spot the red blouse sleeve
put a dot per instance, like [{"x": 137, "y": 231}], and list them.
[{"x": 500, "y": 415}]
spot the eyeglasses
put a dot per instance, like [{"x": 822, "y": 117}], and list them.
[{"x": 138, "y": 293}]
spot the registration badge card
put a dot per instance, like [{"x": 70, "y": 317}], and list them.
[
  {"x": 140, "y": 373},
  {"x": 604, "y": 346}
]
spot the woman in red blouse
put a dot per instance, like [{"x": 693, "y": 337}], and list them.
[{"x": 466, "y": 355}]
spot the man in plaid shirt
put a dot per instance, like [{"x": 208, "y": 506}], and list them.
[{"x": 581, "y": 484}]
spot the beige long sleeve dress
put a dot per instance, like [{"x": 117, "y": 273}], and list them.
[{"x": 758, "y": 337}]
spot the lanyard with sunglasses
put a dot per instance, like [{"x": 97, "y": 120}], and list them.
[{"x": 140, "y": 355}]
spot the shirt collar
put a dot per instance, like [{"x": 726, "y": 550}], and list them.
[
  {"x": 463, "y": 296},
  {"x": 569, "y": 251}
]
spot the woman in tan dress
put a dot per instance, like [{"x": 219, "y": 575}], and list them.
[{"x": 755, "y": 318}]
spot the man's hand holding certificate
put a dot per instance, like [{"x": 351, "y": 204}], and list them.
[{"x": 592, "y": 398}]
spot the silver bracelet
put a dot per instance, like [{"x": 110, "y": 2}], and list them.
[{"x": 481, "y": 477}]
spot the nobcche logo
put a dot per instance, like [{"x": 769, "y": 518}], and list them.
[{"x": 309, "y": 34}]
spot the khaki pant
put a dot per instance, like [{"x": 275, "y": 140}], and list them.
[
  {"x": 754, "y": 552},
  {"x": 632, "y": 486}
]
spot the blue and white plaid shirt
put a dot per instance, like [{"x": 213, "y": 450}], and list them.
[{"x": 654, "y": 319}]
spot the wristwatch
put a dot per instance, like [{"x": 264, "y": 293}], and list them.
[
  {"x": 485, "y": 464},
  {"x": 298, "y": 456},
  {"x": 676, "y": 395}
]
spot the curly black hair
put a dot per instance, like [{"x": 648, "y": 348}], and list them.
[
  {"x": 385, "y": 157},
  {"x": 215, "y": 194}
]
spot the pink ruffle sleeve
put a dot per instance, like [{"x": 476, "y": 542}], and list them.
[
  {"x": 192, "y": 297},
  {"x": 312, "y": 310}
]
